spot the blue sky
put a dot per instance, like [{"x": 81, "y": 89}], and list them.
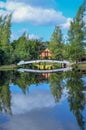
[{"x": 39, "y": 17}]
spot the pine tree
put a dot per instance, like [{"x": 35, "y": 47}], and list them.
[
  {"x": 5, "y": 33},
  {"x": 56, "y": 44},
  {"x": 77, "y": 35}
]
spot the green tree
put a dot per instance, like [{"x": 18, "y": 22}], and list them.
[
  {"x": 26, "y": 49},
  {"x": 56, "y": 44},
  {"x": 2, "y": 57},
  {"x": 20, "y": 49},
  {"x": 66, "y": 51},
  {"x": 77, "y": 36},
  {"x": 5, "y": 32}
]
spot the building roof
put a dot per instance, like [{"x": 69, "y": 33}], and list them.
[{"x": 46, "y": 53}]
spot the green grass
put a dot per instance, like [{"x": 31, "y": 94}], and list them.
[
  {"x": 82, "y": 66},
  {"x": 8, "y": 67}
]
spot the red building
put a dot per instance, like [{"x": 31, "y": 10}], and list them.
[{"x": 46, "y": 54}]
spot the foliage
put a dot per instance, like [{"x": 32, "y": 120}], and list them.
[
  {"x": 77, "y": 36},
  {"x": 2, "y": 57},
  {"x": 26, "y": 49},
  {"x": 76, "y": 97},
  {"x": 5, "y": 33},
  {"x": 56, "y": 85},
  {"x": 56, "y": 45},
  {"x": 5, "y": 95}
]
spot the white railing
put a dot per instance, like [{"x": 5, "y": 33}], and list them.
[
  {"x": 45, "y": 71},
  {"x": 41, "y": 61}
]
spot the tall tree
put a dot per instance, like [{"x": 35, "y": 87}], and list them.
[
  {"x": 56, "y": 44},
  {"x": 5, "y": 32},
  {"x": 20, "y": 48},
  {"x": 2, "y": 57},
  {"x": 77, "y": 35},
  {"x": 26, "y": 49}
]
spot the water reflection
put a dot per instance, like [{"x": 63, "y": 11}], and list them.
[
  {"x": 21, "y": 93},
  {"x": 32, "y": 101},
  {"x": 5, "y": 95},
  {"x": 77, "y": 96}
]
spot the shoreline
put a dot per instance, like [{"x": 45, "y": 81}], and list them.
[
  {"x": 8, "y": 67},
  {"x": 81, "y": 66}
]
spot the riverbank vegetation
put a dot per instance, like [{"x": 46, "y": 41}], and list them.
[
  {"x": 82, "y": 66},
  {"x": 8, "y": 67},
  {"x": 11, "y": 52}
]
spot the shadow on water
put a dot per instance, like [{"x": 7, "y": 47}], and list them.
[{"x": 72, "y": 81}]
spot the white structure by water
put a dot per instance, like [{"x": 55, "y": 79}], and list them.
[
  {"x": 45, "y": 71},
  {"x": 41, "y": 61}
]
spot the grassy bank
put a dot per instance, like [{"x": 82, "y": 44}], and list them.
[
  {"x": 82, "y": 66},
  {"x": 8, "y": 67}
]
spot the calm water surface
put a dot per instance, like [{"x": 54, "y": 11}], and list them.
[{"x": 48, "y": 101}]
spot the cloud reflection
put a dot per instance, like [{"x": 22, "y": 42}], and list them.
[
  {"x": 49, "y": 118},
  {"x": 35, "y": 100},
  {"x": 37, "y": 111}
]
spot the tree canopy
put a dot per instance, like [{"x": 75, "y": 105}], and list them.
[
  {"x": 56, "y": 44},
  {"x": 77, "y": 36}
]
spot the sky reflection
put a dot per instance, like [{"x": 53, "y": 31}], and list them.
[
  {"x": 43, "y": 119},
  {"x": 37, "y": 110},
  {"x": 37, "y": 99}
]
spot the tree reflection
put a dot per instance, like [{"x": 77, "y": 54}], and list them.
[
  {"x": 73, "y": 83},
  {"x": 76, "y": 92},
  {"x": 23, "y": 80},
  {"x": 5, "y": 95},
  {"x": 55, "y": 81},
  {"x": 76, "y": 96}
]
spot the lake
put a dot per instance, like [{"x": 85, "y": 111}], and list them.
[{"x": 42, "y": 101}]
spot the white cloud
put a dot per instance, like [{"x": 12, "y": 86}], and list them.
[
  {"x": 40, "y": 16},
  {"x": 33, "y": 36},
  {"x": 26, "y": 13},
  {"x": 2, "y": 12},
  {"x": 66, "y": 25},
  {"x": 15, "y": 35},
  {"x": 2, "y": 5}
]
